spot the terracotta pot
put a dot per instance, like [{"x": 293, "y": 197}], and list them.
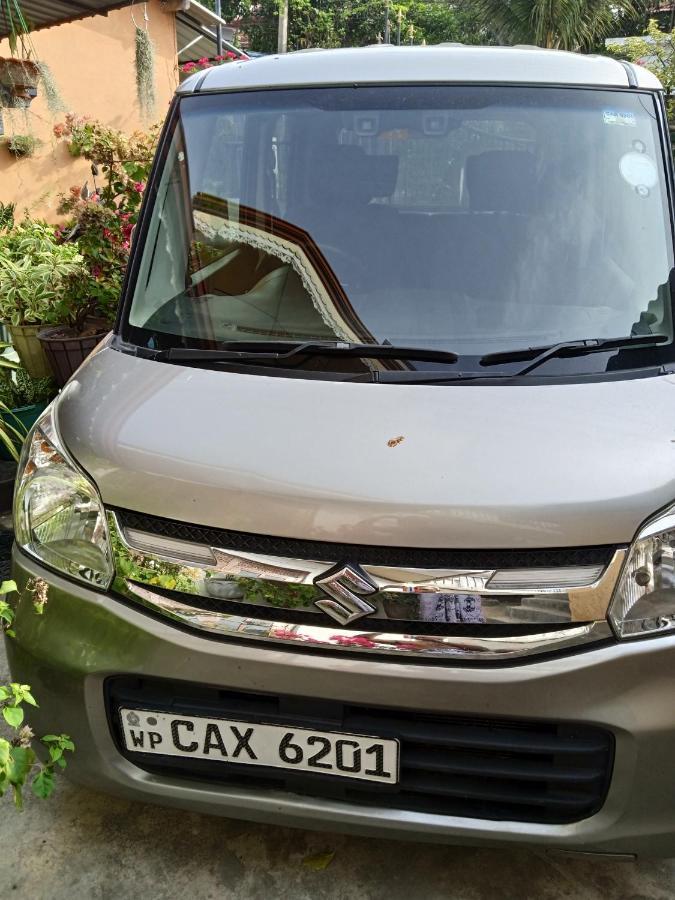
[
  {"x": 66, "y": 351},
  {"x": 31, "y": 354}
]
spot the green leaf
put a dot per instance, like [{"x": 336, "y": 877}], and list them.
[
  {"x": 55, "y": 753},
  {"x": 21, "y": 760},
  {"x": 8, "y": 587},
  {"x": 13, "y": 715},
  {"x": 43, "y": 784}
]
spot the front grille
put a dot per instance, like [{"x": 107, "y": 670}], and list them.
[
  {"x": 509, "y": 770},
  {"x": 375, "y": 555}
]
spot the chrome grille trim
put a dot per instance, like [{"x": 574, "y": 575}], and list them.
[
  {"x": 572, "y": 616},
  {"x": 403, "y": 646}
]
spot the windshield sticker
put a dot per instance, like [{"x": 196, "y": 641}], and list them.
[
  {"x": 639, "y": 171},
  {"x": 616, "y": 117}
]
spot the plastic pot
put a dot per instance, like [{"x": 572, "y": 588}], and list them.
[
  {"x": 29, "y": 348},
  {"x": 67, "y": 351},
  {"x": 7, "y": 477},
  {"x": 27, "y": 416}
]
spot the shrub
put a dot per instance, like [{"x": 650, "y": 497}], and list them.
[
  {"x": 102, "y": 220},
  {"x": 36, "y": 274},
  {"x": 19, "y": 763}
]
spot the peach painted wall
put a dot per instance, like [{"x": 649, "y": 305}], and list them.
[{"x": 93, "y": 65}]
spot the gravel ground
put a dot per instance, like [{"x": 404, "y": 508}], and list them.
[{"x": 80, "y": 845}]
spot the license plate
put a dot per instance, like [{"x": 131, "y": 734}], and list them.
[{"x": 356, "y": 756}]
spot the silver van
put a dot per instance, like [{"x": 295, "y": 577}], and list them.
[{"x": 362, "y": 518}]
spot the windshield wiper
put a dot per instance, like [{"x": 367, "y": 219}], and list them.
[
  {"x": 261, "y": 351},
  {"x": 539, "y": 355}
]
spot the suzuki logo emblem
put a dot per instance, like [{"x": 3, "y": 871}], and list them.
[{"x": 346, "y": 587}]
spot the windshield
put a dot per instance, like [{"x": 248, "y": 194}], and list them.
[{"x": 469, "y": 219}]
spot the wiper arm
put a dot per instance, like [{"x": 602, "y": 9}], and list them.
[
  {"x": 539, "y": 355},
  {"x": 261, "y": 351}
]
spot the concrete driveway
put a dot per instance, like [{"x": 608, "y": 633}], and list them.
[{"x": 80, "y": 845}]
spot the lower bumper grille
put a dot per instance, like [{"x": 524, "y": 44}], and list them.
[{"x": 509, "y": 770}]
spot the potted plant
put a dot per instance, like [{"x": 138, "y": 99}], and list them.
[
  {"x": 12, "y": 430},
  {"x": 22, "y": 400},
  {"x": 84, "y": 314},
  {"x": 22, "y": 144},
  {"x": 19, "y": 74},
  {"x": 36, "y": 275},
  {"x": 68, "y": 345}
]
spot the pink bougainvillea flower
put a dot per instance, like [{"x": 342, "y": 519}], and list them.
[
  {"x": 358, "y": 640},
  {"x": 231, "y": 54},
  {"x": 284, "y": 632},
  {"x": 188, "y": 67},
  {"x": 139, "y": 186},
  {"x": 96, "y": 271}
]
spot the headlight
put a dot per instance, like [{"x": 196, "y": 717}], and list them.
[
  {"x": 58, "y": 515},
  {"x": 644, "y": 599}
]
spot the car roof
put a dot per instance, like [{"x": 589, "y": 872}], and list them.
[{"x": 441, "y": 63}]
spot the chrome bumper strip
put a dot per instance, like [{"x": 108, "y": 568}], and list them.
[{"x": 404, "y": 646}]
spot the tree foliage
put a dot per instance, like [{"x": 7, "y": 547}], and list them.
[
  {"x": 559, "y": 24},
  {"x": 655, "y": 51},
  {"x": 353, "y": 23}
]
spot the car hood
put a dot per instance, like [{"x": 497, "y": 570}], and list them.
[{"x": 455, "y": 466}]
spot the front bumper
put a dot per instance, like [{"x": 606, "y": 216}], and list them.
[{"x": 84, "y": 637}]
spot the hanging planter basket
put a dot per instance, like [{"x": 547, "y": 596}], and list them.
[{"x": 18, "y": 82}]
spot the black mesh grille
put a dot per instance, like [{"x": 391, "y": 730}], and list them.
[
  {"x": 511, "y": 770},
  {"x": 367, "y": 555}
]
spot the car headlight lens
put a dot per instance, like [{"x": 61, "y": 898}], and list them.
[
  {"x": 58, "y": 515},
  {"x": 644, "y": 599}
]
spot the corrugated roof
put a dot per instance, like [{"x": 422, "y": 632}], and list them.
[
  {"x": 43, "y": 13},
  {"x": 196, "y": 32},
  {"x": 196, "y": 40}
]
